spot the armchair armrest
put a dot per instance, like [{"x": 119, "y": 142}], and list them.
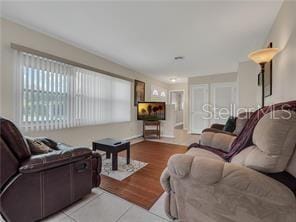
[{"x": 37, "y": 163}]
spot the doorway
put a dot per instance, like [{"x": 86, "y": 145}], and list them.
[
  {"x": 209, "y": 102},
  {"x": 177, "y": 98},
  {"x": 199, "y": 117}
]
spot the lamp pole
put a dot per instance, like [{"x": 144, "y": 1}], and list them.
[{"x": 262, "y": 65}]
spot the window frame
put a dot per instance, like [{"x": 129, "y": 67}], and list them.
[{"x": 33, "y": 88}]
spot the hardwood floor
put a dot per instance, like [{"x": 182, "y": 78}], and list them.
[{"x": 143, "y": 187}]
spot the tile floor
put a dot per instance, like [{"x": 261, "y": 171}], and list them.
[
  {"x": 101, "y": 206},
  {"x": 105, "y": 207}
]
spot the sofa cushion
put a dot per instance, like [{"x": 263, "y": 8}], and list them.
[
  {"x": 274, "y": 142},
  {"x": 242, "y": 156},
  {"x": 241, "y": 121},
  {"x": 49, "y": 142},
  {"x": 203, "y": 153},
  {"x": 221, "y": 141}
]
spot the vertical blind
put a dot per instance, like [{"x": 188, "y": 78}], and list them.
[{"x": 53, "y": 95}]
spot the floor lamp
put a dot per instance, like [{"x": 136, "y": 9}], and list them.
[{"x": 261, "y": 57}]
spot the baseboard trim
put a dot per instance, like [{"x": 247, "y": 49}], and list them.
[
  {"x": 179, "y": 124},
  {"x": 167, "y": 136},
  {"x": 134, "y": 137},
  {"x": 141, "y": 135}
]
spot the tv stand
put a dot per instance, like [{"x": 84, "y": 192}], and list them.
[{"x": 150, "y": 132}]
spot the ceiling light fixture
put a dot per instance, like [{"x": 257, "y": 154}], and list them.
[
  {"x": 179, "y": 57},
  {"x": 173, "y": 79}
]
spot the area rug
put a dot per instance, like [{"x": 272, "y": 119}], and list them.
[
  {"x": 124, "y": 170},
  {"x": 143, "y": 187}
]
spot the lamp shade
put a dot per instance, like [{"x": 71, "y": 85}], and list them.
[
  {"x": 263, "y": 55},
  {"x": 155, "y": 92}
]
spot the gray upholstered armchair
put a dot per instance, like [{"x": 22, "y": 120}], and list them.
[{"x": 202, "y": 186}]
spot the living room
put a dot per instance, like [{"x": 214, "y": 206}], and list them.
[{"x": 148, "y": 111}]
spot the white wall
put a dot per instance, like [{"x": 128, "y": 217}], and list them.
[
  {"x": 167, "y": 126},
  {"x": 283, "y": 36},
  {"x": 159, "y": 97},
  {"x": 219, "y": 77},
  {"x": 209, "y": 79},
  {"x": 247, "y": 77},
  {"x": 14, "y": 33}
]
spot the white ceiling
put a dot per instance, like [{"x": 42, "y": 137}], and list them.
[{"x": 213, "y": 36}]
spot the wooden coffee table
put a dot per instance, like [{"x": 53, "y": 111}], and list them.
[{"x": 113, "y": 146}]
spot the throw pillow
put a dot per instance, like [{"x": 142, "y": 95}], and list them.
[
  {"x": 230, "y": 124},
  {"x": 37, "y": 146},
  {"x": 49, "y": 142}
]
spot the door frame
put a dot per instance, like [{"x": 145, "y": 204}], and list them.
[
  {"x": 184, "y": 98},
  {"x": 177, "y": 90},
  {"x": 206, "y": 97},
  {"x": 234, "y": 86}
]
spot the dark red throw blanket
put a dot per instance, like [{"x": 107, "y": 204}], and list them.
[{"x": 244, "y": 139}]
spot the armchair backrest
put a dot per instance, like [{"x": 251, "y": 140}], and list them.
[
  {"x": 9, "y": 164},
  {"x": 241, "y": 121},
  {"x": 13, "y": 150},
  {"x": 14, "y": 139},
  {"x": 291, "y": 168},
  {"x": 274, "y": 139}
]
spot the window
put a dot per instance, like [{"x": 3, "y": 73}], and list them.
[{"x": 52, "y": 95}]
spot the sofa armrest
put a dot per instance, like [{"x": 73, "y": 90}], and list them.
[
  {"x": 217, "y": 139},
  {"x": 165, "y": 180},
  {"x": 211, "y": 172},
  {"x": 203, "y": 170},
  {"x": 37, "y": 163},
  {"x": 217, "y": 126}
]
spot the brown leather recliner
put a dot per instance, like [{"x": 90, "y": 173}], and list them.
[{"x": 35, "y": 186}]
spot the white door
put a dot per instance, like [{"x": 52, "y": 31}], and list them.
[
  {"x": 199, "y": 101},
  {"x": 224, "y": 101}
]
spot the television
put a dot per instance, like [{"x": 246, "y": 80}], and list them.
[{"x": 151, "y": 111}]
